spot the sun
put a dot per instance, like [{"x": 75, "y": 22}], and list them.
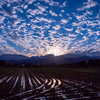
[{"x": 56, "y": 51}]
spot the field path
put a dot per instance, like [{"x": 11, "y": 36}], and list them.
[{"x": 24, "y": 84}]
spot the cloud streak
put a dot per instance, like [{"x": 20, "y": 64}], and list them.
[{"x": 87, "y": 5}]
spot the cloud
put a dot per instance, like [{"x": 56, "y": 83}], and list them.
[
  {"x": 8, "y": 11},
  {"x": 52, "y": 3},
  {"x": 30, "y": 1},
  {"x": 14, "y": 36},
  {"x": 2, "y": 18},
  {"x": 91, "y": 23},
  {"x": 34, "y": 21},
  {"x": 72, "y": 35},
  {"x": 18, "y": 9},
  {"x": 44, "y": 19},
  {"x": 85, "y": 37},
  {"x": 57, "y": 27},
  {"x": 60, "y": 15},
  {"x": 53, "y": 32},
  {"x": 52, "y": 13},
  {"x": 87, "y": 5},
  {"x": 25, "y": 6},
  {"x": 78, "y": 30},
  {"x": 34, "y": 12},
  {"x": 63, "y": 5},
  {"x": 2, "y": 41},
  {"x": 84, "y": 16},
  {"x": 97, "y": 32},
  {"x": 17, "y": 21},
  {"x": 5, "y": 49},
  {"x": 62, "y": 11},
  {"x": 21, "y": 26},
  {"x": 42, "y": 8},
  {"x": 71, "y": 29},
  {"x": 64, "y": 21}
]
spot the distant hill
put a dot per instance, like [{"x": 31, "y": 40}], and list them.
[
  {"x": 47, "y": 59},
  {"x": 12, "y": 57}
]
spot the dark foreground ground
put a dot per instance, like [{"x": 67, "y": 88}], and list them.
[{"x": 49, "y": 84}]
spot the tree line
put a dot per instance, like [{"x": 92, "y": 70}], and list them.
[
  {"x": 2, "y": 62},
  {"x": 90, "y": 63}
]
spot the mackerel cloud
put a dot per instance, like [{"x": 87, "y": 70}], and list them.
[{"x": 37, "y": 27}]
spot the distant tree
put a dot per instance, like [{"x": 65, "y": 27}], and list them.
[
  {"x": 91, "y": 63},
  {"x": 97, "y": 62},
  {"x": 81, "y": 64},
  {"x": 70, "y": 65},
  {"x": 15, "y": 65},
  {"x": 2, "y": 62},
  {"x": 9, "y": 65}
]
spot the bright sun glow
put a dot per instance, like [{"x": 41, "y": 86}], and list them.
[{"x": 56, "y": 51}]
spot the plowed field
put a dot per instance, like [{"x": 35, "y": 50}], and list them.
[{"x": 24, "y": 84}]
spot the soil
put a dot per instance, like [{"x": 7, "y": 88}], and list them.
[{"x": 24, "y": 84}]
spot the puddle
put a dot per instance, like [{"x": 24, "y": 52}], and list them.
[
  {"x": 54, "y": 82},
  {"x": 50, "y": 82},
  {"x": 22, "y": 83},
  {"x": 14, "y": 84},
  {"x": 36, "y": 79},
  {"x": 34, "y": 82},
  {"x": 98, "y": 94},
  {"x": 59, "y": 83},
  {"x": 3, "y": 79},
  {"x": 9, "y": 79},
  {"x": 30, "y": 82}
]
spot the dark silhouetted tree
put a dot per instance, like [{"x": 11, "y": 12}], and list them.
[
  {"x": 91, "y": 63},
  {"x": 81, "y": 64},
  {"x": 15, "y": 65},
  {"x": 97, "y": 62},
  {"x": 2, "y": 62}
]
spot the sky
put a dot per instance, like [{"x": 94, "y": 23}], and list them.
[{"x": 42, "y": 27}]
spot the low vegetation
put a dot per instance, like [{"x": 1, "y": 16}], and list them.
[{"x": 4, "y": 70}]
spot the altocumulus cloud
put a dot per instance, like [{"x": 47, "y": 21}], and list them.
[{"x": 41, "y": 27}]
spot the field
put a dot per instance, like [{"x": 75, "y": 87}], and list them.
[{"x": 50, "y": 83}]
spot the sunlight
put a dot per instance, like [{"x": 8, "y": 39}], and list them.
[{"x": 56, "y": 51}]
